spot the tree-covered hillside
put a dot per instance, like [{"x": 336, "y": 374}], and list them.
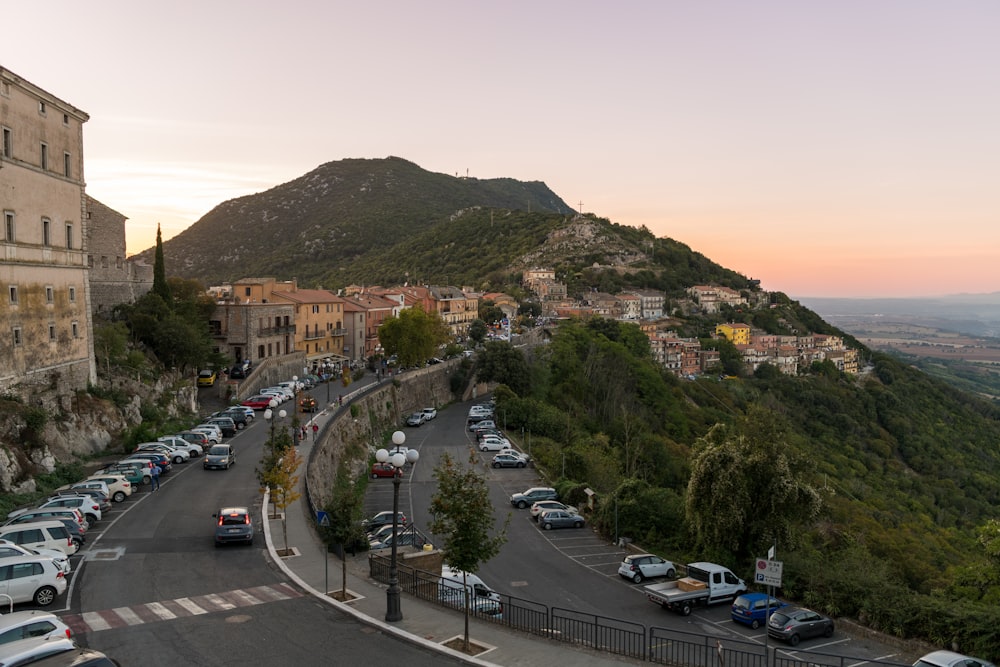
[{"x": 904, "y": 470}]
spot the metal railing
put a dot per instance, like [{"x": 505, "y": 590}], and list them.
[{"x": 619, "y": 637}]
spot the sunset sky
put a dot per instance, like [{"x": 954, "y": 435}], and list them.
[{"x": 839, "y": 149}]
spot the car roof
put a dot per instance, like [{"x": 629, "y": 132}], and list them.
[
  {"x": 946, "y": 658},
  {"x": 14, "y": 619},
  {"x": 234, "y": 510},
  {"x": 17, "y": 652}
]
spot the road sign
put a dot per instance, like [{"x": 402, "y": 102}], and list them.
[
  {"x": 768, "y": 572},
  {"x": 322, "y": 518}
]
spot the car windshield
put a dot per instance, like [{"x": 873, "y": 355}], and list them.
[
  {"x": 219, "y": 450},
  {"x": 233, "y": 519}
]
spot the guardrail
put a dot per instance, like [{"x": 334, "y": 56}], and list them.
[{"x": 616, "y": 636}]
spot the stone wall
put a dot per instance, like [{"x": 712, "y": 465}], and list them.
[
  {"x": 356, "y": 433},
  {"x": 113, "y": 278}
]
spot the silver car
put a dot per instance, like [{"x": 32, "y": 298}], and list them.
[
  {"x": 233, "y": 524},
  {"x": 219, "y": 456},
  {"x": 560, "y": 519}
]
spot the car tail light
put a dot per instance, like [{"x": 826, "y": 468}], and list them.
[
  {"x": 221, "y": 518},
  {"x": 60, "y": 575},
  {"x": 69, "y": 633},
  {"x": 246, "y": 518}
]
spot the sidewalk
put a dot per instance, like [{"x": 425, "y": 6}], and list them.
[{"x": 423, "y": 623}]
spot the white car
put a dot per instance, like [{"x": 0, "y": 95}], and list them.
[
  {"x": 194, "y": 449},
  {"x": 175, "y": 454},
  {"x": 429, "y": 413},
  {"x": 119, "y": 487},
  {"x": 513, "y": 452},
  {"x": 643, "y": 566},
  {"x": 88, "y": 507},
  {"x": 31, "y": 623},
  {"x": 546, "y": 505},
  {"x": 10, "y": 549},
  {"x": 493, "y": 444},
  {"x": 31, "y": 579}
]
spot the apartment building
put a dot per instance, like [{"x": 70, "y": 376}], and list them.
[{"x": 47, "y": 332}]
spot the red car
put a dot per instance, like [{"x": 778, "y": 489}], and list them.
[
  {"x": 258, "y": 402},
  {"x": 385, "y": 470}
]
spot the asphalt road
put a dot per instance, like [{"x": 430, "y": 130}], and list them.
[{"x": 186, "y": 602}]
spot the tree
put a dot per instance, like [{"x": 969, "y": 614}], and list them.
[
  {"x": 746, "y": 488},
  {"x": 501, "y": 362},
  {"x": 281, "y": 479},
  {"x": 344, "y": 512},
  {"x": 490, "y": 313},
  {"x": 160, "y": 286},
  {"x": 463, "y": 515},
  {"x": 413, "y": 336},
  {"x": 477, "y": 331}
]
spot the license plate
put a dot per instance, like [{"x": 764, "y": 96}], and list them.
[{"x": 233, "y": 530}]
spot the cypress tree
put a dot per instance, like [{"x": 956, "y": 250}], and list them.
[{"x": 160, "y": 286}]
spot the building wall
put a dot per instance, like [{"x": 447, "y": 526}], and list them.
[
  {"x": 113, "y": 278},
  {"x": 46, "y": 331}
]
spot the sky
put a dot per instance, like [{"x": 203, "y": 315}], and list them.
[{"x": 845, "y": 148}]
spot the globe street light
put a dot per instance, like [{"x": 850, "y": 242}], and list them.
[
  {"x": 398, "y": 459},
  {"x": 269, "y": 415}
]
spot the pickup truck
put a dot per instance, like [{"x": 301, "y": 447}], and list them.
[{"x": 705, "y": 583}]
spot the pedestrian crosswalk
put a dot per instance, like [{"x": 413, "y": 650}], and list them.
[{"x": 165, "y": 610}]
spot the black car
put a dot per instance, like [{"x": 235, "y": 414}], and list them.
[
  {"x": 238, "y": 415},
  {"x": 792, "y": 624}
]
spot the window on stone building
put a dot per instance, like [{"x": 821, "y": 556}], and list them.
[
  {"x": 46, "y": 231},
  {"x": 13, "y": 294},
  {"x": 8, "y": 143},
  {"x": 65, "y": 119},
  {"x": 118, "y": 262},
  {"x": 49, "y": 294},
  {"x": 90, "y": 261},
  {"x": 67, "y": 165},
  {"x": 72, "y": 294},
  {"x": 52, "y": 333},
  {"x": 44, "y": 158},
  {"x": 75, "y": 329},
  {"x": 69, "y": 235},
  {"x": 17, "y": 336},
  {"x": 246, "y": 291},
  {"x": 41, "y": 108},
  {"x": 8, "y": 224},
  {"x": 104, "y": 262}
]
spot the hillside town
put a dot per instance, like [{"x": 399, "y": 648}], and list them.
[{"x": 56, "y": 282}]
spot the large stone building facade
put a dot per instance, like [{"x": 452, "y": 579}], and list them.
[
  {"x": 113, "y": 278},
  {"x": 47, "y": 332}
]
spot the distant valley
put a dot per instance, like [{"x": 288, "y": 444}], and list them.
[{"x": 956, "y": 338}]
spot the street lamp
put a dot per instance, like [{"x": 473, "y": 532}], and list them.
[
  {"x": 398, "y": 459},
  {"x": 269, "y": 415}
]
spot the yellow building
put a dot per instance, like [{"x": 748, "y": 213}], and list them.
[{"x": 736, "y": 333}]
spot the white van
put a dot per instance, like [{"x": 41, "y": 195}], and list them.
[
  {"x": 40, "y": 535},
  {"x": 452, "y": 593}
]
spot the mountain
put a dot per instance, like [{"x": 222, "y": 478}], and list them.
[{"x": 336, "y": 215}]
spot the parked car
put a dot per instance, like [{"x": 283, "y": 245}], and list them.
[
  {"x": 237, "y": 409},
  {"x": 416, "y": 419},
  {"x": 207, "y": 378},
  {"x": 86, "y": 505},
  {"x": 213, "y": 431},
  {"x": 485, "y": 423},
  {"x": 545, "y": 505},
  {"x": 35, "y": 650},
  {"x": 493, "y": 444},
  {"x": 645, "y": 566},
  {"x": 383, "y": 518},
  {"x": 233, "y": 524},
  {"x": 219, "y": 456},
  {"x": 175, "y": 454},
  {"x": 258, "y": 402},
  {"x": 39, "y": 514},
  {"x": 385, "y": 470},
  {"x": 526, "y": 498},
  {"x": 308, "y": 404},
  {"x": 152, "y": 459},
  {"x": 55, "y": 535},
  {"x": 194, "y": 438},
  {"x": 508, "y": 461},
  {"x": 34, "y": 579},
  {"x": 119, "y": 486},
  {"x": 753, "y": 609},
  {"x": 513, "y": 452},
  {"x": 9, "y": 549},
  {"x": 559, "y": 519},
  {"x": 31, "y": 623},
  {"x": 225, "y": 424},
  {"x": 429, "y": 413},
  {"x": 404, "y": 538},
  {"x": 793, "y": 624},
  {"x": 950, "y": 659},
  {"x": 75, "y": 657},
  {"x": 135, "y": 474},
  {"x": 95, "y": 494}
]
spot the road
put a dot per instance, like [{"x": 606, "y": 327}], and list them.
[{"x": 184, "y": 601}]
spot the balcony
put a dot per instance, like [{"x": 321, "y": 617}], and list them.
[{"x": 315, "y": 335}]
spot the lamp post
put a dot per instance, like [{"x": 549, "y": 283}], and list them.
[
  {"x": 398, "y": 459},
  {"x": 269, "y": 416}
]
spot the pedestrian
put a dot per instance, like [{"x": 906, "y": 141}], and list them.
[
  {"x": 340, "y": 399},
  {"x": 154, "y": 476}
]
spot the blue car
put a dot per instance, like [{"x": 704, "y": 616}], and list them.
[{"x": 752, "y": 608}]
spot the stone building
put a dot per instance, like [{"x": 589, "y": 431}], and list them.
[
  {"x": 46, "y": 331},
  {"x": 113, "y": 278}
]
